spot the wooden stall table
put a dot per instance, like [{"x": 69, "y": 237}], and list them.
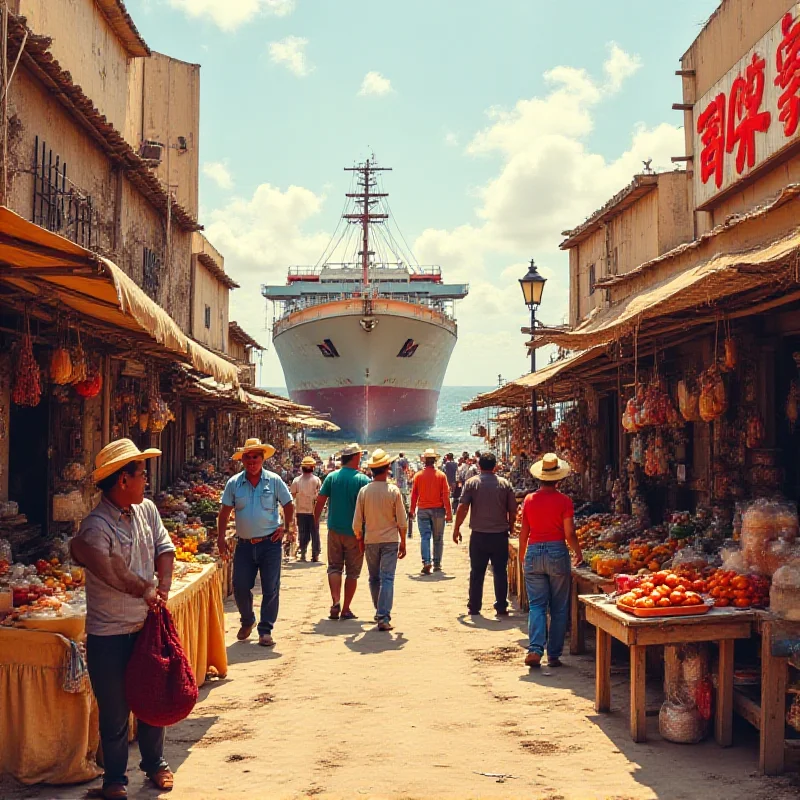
[
  {"x": 768, "y": 714},
  {"x": 49, "y": 735},
  {"x": 584, "y": 581},
  {"x": 722, "y": 625}
]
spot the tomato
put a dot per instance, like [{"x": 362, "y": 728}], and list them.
[
  {"x": 742, "y": 602},
  {"x": 680, "y": 588},
  {"x": 655, "y": 596},
  {"x": 739, "y": 593},
  {"x": 677, "y": 598},
  {"x": 672, "y": 580},
  {"x": 649, "y": 602},
  {"x": 646, "y": 586},
  {"x": 722, "y": 602},
  {"x": 740, "y": 582},
  {"x": 664, "y": 602},
  {"x": 692, "y": 599},
  {"x": 658, "y": 578},
  {"x": 637, "y": 592},
  {"x": 640, "y": 603},
  {"x": 725, "y": 580},
  {"x": 699, "y": 586}
]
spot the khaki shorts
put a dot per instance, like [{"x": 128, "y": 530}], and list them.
[{"x": 344, "y": 554}]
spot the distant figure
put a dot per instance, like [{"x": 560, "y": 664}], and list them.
[
  {"x": 493, "y": 510},
  {"x": 341, "y": 488},
  {"x": 548, "y": 524},
  {"x": 305, "y": 489},
  {"x": 400, "y": 470},
  {"x": 473, "y": 470},
  {"x": 431, "y": 494},
  {"x": 449, "y": 467},
  {"x": 380, "y": 523}
]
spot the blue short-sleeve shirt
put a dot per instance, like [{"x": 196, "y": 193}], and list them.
[{"x": 257, "y": 507}]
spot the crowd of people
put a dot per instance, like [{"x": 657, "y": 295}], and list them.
[{"x": 129, "y": 556}]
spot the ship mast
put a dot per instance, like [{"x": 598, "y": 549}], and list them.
[{"x": 367, "y": 199}]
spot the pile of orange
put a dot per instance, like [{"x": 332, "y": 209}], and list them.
[
  {"x": 663, "y": 590},
  {"x": 729, "y": 588}
]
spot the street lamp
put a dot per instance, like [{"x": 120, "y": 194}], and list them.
[{"x": 532, "y": 286}]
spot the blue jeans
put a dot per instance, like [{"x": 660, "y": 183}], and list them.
[
  {"x": 547, "y": 579},
  {"x": 382, "y": 565},
  {"x": 107, "y": 659},
  {"x": 248, "y": 560},
  {"x": 430, "y": 522}
]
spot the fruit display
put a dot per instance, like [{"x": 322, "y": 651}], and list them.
[
  {"x": 729, "y": 588},
  {"x": 663, "y": 590}
]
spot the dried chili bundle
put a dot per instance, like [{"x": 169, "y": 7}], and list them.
[{"x": 27, "y": 380}]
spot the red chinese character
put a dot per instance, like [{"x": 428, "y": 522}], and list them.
[
  {"x": 711, "y": 127},
  {"x": 744, "y": 117},
  {"x": 788, "y": 62}
]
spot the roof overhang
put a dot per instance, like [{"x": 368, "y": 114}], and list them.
[{"x": 124, "y": 27}]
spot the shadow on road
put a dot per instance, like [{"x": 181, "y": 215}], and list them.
[
  {"x": 375, "y": 641},
  {"x": 335, "y": 627},
  {"x": 492, "y": 623},
  {"x": 244, "y": 652},
  {"x": 434, "y": 577}
]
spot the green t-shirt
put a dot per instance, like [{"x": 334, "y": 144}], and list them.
[{"x": 342, "y": 487}]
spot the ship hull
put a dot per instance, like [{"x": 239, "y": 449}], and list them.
[{"x": 376, "y": 368}]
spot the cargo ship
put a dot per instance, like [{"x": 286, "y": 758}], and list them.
[{"x": 366, "y": 338}]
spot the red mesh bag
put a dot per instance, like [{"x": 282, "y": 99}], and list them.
[{"x": 159, "y": 682}]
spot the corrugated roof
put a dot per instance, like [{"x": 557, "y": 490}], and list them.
[{"x": 40, "y": 61}]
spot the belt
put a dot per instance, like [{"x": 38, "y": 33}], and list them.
[{"x": 256, "y": 540}]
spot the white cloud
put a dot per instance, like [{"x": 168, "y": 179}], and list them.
[
  {"x": 231, "y": 14},
  {"x": 375, "y": 84},
  {"x": 451, "y": 139},
  {"x": 219, "y": 173},
  {"x": 620, "y": 66},
  {"x": 291, "y": 52}
]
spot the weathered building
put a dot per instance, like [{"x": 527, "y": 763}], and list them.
[
  {"x": 243, "y": 349},
  {"x": 211, "y": 287}
]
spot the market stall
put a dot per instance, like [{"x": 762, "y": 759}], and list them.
[{"x": 48, "y": 718}]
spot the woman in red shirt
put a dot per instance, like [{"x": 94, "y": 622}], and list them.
[{"x": 547, "y": 526}]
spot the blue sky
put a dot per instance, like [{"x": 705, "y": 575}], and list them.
[{"x": 505, "y": 121}]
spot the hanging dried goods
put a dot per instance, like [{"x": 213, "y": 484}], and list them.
[
  {"x": 730, "y": 358},
  {"x": 713, "y": 400},
  {"x": 91, "y": 386},
  {"x": 689, "y": 400},
  {"x": 60, "y": 366},
  {"x": 27, "y": 380}
]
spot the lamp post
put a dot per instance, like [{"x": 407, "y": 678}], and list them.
[{"x": 532, "y": 286}]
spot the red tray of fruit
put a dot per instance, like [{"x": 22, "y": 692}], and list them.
[{"x": 669, "y": 611}]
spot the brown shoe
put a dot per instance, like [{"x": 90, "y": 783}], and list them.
[
  {"x": 385, "y": 626},
  {"x": 554, "y": 662},
  {"x": 113, "y": 791},
  {"x": 533, "y": 660},
  {"x": 244, "y": 632},
  {"x": 426, "y": 569}
]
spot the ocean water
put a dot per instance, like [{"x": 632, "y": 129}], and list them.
[{"x": 450, "y": 433}]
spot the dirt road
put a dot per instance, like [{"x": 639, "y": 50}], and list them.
[{"x": 440, "y": 707}]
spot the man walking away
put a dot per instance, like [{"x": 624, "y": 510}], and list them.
[
  {"x": 256, "y": 494},
  {"x": 493, "y": 510},
  {"x": 341, "y": 489},
  {"x": 400, "y": 475},
  {"x": 431, "y": 494},
  {"x": 128, "y": 557},
  {"x": 450, "y": 468},
  {"x": 305, "y": 489},
  {"x": 380, "y": 522}
]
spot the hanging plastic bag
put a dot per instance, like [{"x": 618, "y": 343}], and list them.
[{"x": 159, "y": 683}]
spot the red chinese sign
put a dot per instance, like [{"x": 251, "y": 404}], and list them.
[{"x": 735, "y": 130}]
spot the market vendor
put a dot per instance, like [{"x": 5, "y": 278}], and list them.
[
  {"x": 256, "y": 494},
  {"x": 128, "y": 556}
]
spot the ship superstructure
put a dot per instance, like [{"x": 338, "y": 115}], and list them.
[{"x": 367, "y": 340}]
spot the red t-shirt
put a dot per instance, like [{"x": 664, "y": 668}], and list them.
[{"x": 545, "y": 512}]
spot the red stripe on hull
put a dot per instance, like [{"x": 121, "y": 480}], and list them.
[{"x": 372, "y": 411}]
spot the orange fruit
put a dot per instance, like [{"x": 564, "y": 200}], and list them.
[{"x": 664, "y": 602}]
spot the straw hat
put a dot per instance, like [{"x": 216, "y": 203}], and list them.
[
  {"x": 551, "y": 468},
  {"x": 379, "y": 458},
  {"x": 115, "y": 455},
  {"x": 308, "y": 461},
  {"x": 351, "y": 449},
  {"x": 430, "y": 453},
  {"x": 253, "y": 446}
]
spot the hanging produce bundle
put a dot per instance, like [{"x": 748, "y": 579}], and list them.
[
  {"x": 730, "y": 358},
  {"x": 91, "y": 385},
  {"x": 713, "y": 400},
  {"x": 79, "y": 366},
  {"x": 27, "y": 380},
  {"x": 689, "y": 400},
  {"x": 60, "y": 366}
]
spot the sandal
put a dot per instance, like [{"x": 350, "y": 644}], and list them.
[
  {"x": 335, "y": 611},
  {"x": 348, "y": 615},
  {"x": 163, "y": 779}
]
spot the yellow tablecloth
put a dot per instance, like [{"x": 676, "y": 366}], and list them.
[{"x": 48, "y": 735}]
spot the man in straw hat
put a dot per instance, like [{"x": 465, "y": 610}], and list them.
[
  {"x": 430, "y": 493},
  {"x": 380, "y": 522},
  {"x": 493, "y": 510},
  {"x": 340, "y": 489},
  {"x": 548, "y": 525},
  {"x": 128, "y": 557},
  {"x": 305, "y": 489},
  {"x": 257, "y": 495}
]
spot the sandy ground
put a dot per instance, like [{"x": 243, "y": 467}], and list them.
[{"x": 440, "y": 707}]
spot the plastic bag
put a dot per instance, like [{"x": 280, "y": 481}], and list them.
[
  {"x": 685, "y": 714},
  {"x": 159, "y": 683}
]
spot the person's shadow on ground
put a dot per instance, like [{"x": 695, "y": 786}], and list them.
[
  {"x": 492, "y": 623},
  {"x": 375, "y": 641}
]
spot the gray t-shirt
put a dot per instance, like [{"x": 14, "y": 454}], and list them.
[
  {"x": 490, "y": 499},
  {"x": 139, "y": 539}
]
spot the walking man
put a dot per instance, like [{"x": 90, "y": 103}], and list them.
[
  {"x": 493, "y": 508},
  {"x": 431, "y": 494},
  {"x": 128, "y": 557},
  {"x": 450, "y": 468},
  {"x": 256, "y": 494},
  {"x": 380, "y": 525},
  {"x": 400, "y": 475},
  {"x": 340, "y": 489},
  {"x": 305, "y": 489}
]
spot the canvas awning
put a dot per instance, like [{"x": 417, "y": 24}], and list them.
[
  {"x": 54, "y": 269},
  {"x": 718, "y": 279},
  {"x": 518, "y": 392}
]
